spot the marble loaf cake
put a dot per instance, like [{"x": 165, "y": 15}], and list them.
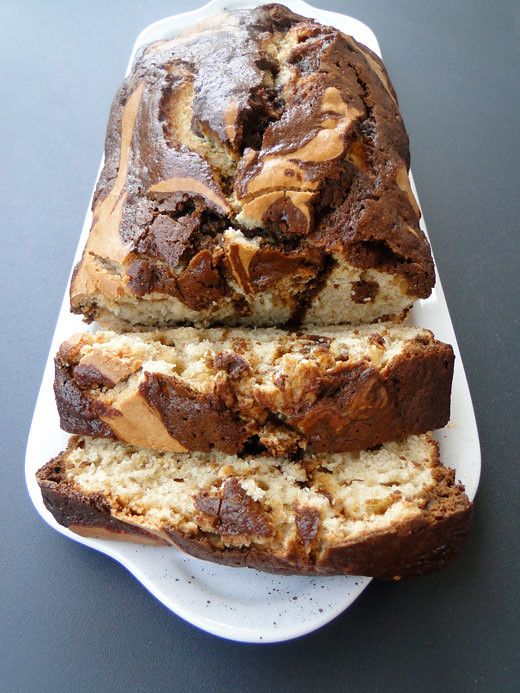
[
  {"x": 389, "y": 512},
  {"x": 256, "y": 173},
  {"x": 265, "y": 390},
  {"x": 250, "y": 398}
]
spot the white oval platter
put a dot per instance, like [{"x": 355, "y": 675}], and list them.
[{"x": 234, "y": 603}]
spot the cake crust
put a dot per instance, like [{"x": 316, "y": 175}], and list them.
[{"x": 275, "y": 191}]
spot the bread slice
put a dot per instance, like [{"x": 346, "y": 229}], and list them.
[
  {"x": 242, "y": 390},
  {"x": 256, "y": 173},
  {"x": 389, "y": 512}
]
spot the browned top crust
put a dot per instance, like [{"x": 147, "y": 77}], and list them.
[
  {"x": 264, "y": 122},
  {"x": 313, "y": 395}
]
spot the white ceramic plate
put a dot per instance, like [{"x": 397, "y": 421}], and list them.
[{"x": 239, "y": 603}]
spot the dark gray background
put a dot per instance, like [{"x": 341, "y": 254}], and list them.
[{"x": 73, "y": 619}]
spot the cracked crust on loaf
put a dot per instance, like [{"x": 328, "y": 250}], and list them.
[
  {"x": 389, "y": 512},
  {"x": 274, "y": 191},
  {"x": 240, "y": 390}
]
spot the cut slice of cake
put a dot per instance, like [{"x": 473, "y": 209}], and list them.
[
  {"x": 388, "y": 512},
  {"x": 240, "y": 390}
]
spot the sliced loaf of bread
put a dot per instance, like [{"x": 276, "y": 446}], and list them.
[{"x": 389, "y": 512}]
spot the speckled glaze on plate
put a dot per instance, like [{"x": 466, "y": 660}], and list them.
[{"x": 239, "y": 603}]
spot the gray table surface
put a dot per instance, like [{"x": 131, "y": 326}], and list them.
[{"x": 73, "y": 619}]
